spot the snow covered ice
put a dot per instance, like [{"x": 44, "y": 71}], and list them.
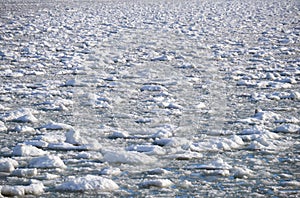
[{"x": 143, "y": 98}]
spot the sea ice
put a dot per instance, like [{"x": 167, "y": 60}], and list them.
[
  {"x": 88, "y": 183},
  {"x": 127, "y": 157},
  {"x": 8, "y": 165},
  {"x": 49, "y": 161},
  {"x": 287, "y": 128},
  {"x": 27, "y": 150},
  {"x": 159, "y": 183}
]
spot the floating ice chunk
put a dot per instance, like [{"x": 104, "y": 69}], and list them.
[
  {"x": 25, "y": 172},
  {"x": 293, "y": 183},
  {"x": 287, "y": 128},
  {"x": 148, "y": 149},
  {"x": 73, "y": 137},
  {"x": 28, "y": 150},
  {"x": 32, "y": 189},
  {"x": 8, "y": 165},
  {"x": 56, "y": 126},
  {"x": 87, "y": 183},
  {"x": 37, "y": 143},
  {"x": 218, "y": 164},
  {"x": 239, "y": 172},
  {"x": 153, "y": 88},
  {"x": 158, "y": 171},
  {"x": 170, "y": 105},
  {"x": 21, "y": 115},
  {"x": 267, "y": 116},
  {"x": 11, "y": 191},
  {"x": 172, "y": 142},
  {"x": 162, "y": 133},
  {"x": 128, "y": 157},
  {"x": 161, "y": 58},
  {"x": 49, "y": 161},
  {"x": 110, "y": 171},
  {"x": 74, "y": 83},
  {"x": 24, "y": 129},
  {"x": 159, "y": 183},
  {"x": 2, "y": 127},
  {"x": 200, "y": 105},
  {"x": 63, "y": 146},
  {"x": 185, "y": 155},
  {"x": 119, "y": 134}
]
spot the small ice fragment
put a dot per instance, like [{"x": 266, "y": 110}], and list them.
[
  {"x": 119, "y": 134},
  {"x": 25, "y": 172},
  {"x": 87, "y": 183},
  {"x": 127, "y": 157},
  {"x": 56, "y": 126},
  {"x": 49, "y": 161},
  {"x": 2, "y": 127},
  {"x": 159, "y": 183},
  {"x": 153, "y": 88},
  {"x": 11, "y": 191},
  {"x": 27, "y": 150},
  {"x": 110, "y": 171},
  {"x": 8, "y": 165},
  {"x": 287, "y": 128}
]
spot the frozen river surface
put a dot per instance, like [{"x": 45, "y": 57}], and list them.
[{"x": 166, "y": 98}]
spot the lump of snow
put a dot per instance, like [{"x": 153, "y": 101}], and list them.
[
  {"x": 172, "y": 142},
  {"x": 73, "y": 137},
  {"x": 159, "y": 183},
  {"x": 161, "y": 58},
  {"x": 110, "y": 171},
  {"x": 20, "y": 191},
  {"x": 153, "y": 88},
  {"x": 24, "y": 129},
  {"x": 25, "y": 172},
  {"x": 49, "y": 161},
  {"x": 8, "y": 165},
  {"x": 56, "y": 126},
  {"x": 28, "y": 150},
  {"x": 11, "y": 191},
  {"x": 21, "y": 115},
  {"x": 239, "y": 172},
  {"x": 2, "y": 127},
  {"x": 119, "y": 134},
  {"x": 128, "y": 157},
  {"x": 158, "y": 171},
  {"x": 148, "y": 149},
  {"x": 287, "y": 128},
  {"x": 87, "y": 183},
  {"x": 34, "y": 189}
]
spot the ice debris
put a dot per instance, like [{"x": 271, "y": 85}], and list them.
[
  {"x": 49, "y": 161},
  {"x": 88, "y": 183}
]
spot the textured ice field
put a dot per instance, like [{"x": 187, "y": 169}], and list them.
[{"x": 166, "y": 98}]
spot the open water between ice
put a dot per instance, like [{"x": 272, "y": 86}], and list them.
[{"x": 166, "y": 98}]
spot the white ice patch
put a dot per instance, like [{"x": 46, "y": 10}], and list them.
[
  {"x": 56, "y": 126},
  {"x": 147, "y": 149},
  {"x": 88, "y": 183},
  {"x": 28, "y": 150},
  {"x": 128, "y": 157},
  {"x": 21, "y": 115},
  {"x": 287, "y": 128},
  {"x": 159, "y": 183},
  {"x": 20, "y": 191},
  {"x": 8, "y": 165},
  {"x": 2, "y": 127},
  {"x": 49, "y": 161}
]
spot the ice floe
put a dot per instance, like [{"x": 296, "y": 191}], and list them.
[
  {"x": 28, "y": 150},
  {"x": 48, "y": 161},
  {"x": 88, "y": 183},
  {"x": 159, "y": 183},
  {"x": 127, "y": 157}
]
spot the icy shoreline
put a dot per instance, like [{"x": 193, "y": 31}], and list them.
[{"x": 129, "y": 98}]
